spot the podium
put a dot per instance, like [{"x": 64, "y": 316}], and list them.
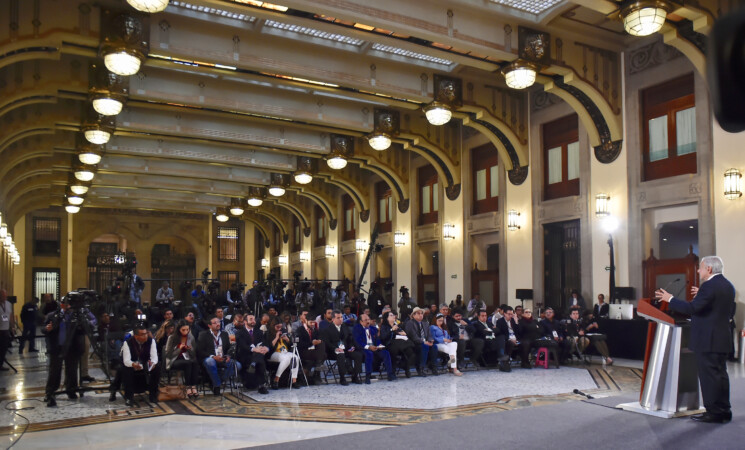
[{"x": 670, "y": 382}]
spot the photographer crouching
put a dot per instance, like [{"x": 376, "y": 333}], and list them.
[{"x": 65, "y": 330}]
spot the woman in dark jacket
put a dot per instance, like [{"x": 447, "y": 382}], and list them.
[
  {"x": 390, "y": 330},
  {"x": 180, "y": 355},
  {"x": 530, "y": 330}
]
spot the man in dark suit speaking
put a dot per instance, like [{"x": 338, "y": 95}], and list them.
[{"x": 711, "y": 337}]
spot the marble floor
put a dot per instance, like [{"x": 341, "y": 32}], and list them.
[{"x": 245, "y": 419}]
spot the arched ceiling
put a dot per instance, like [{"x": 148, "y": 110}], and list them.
[{"x": 234, "y": 90}]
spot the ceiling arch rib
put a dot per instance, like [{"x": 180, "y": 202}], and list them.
[
  {"x": 276, "y": 220},
  {"x": 261, "y": 227}
]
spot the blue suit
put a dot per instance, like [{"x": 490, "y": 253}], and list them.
[
  {"x": 711, "y": 339},
  {"x": 360, "y": 337}
]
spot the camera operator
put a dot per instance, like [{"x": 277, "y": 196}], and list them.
[
  {"x": 164, "y": 297},
  {"x": 406, "y": 304},
  {"x": 7, "y": 326},
  {"x": 140, "y": 365},
  {"x": 66, "y": 331},
  {"x": 375, "y": 302},
  {"x": 137, "y": 286}
]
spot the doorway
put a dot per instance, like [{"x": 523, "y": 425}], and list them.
[{"x": 562, "y": 264}]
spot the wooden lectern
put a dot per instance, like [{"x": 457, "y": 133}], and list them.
[{"x": 670, "y": 381}]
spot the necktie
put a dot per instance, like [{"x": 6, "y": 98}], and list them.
[{"x": 251, "y": 333}]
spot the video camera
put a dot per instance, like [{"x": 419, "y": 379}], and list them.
[
  {"x": 80, "y": 299},
  {"x": 130, "y": 264}
]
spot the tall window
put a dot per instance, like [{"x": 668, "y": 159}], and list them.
[
  {"x": 320, "y": 226},
  {"x": 228, "y": 239},
  {"x": 669, "y": 128},
  {"x": 296, "y": 235},
  {"x": 46, "y": 236},
  {"x": 385, "y": 207},
  {"x": 46, "y": 281},
  {"x": 350, "y": 213},
  {"x": 561, "y": 158},
  {"x": 277, "y": 241},
  {"x": 429, "y": 192},
  {"x": 227, "y": 278},
  {"x": 484, "y": 160}
]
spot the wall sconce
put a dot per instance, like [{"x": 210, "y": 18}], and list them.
[
  {"x": 236, "y": 207},
  {"x": 448, "y": 231},
  {"x": 304, "y": 256},
  {"x": 3, "y": 230},
  {"x": 342, "y": 147},
  {"x": 330, "y": 251},
  {"x": 255, "y": 196},
  {"x": 222, "y": 215},
  {"x": 8, "y": 240},
  {"x": 642, "y": 18},
  {"x": 84, "y": 172},
  {"x": 386, "y": 126},
  {"x": 149, "y": 6},
  {"x": 732, "y": 184},
  {"x": 125, "y": 42},
  {"x": 448, "y": 94},
  {"x": 108, "y": 91},
  {"x": 304, "y": 169},
  {"x": 282, "y": 260},
  {"x": 277, "y": 184},
  {"x": 602, "y": 205},
  {"x": 513, "y": 220},
  {"x": 399, "y": 238},
  {"x": 520, "y": 74},
  {"x": 264, "y": 263},
  {"x": 360, "y": 245}
]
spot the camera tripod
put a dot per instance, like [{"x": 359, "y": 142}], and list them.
[{"x": 297, "y": 360}]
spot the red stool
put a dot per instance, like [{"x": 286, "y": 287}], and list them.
[{"x": 542, "y": 357}]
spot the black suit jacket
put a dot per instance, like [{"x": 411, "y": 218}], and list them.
[
  {"x": 481, "y": 332},
  {"x": 710, "y": 313},
  {"x": 245, "y": 343},
  {"x": 206, "y": 344},
  {"x": 601, "y": 310},
  {"x": 331, "y": 338},
  {"x": 505, "y": 331},
  {"x": 305, "y": 339}
]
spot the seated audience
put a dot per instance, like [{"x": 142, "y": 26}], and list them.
[
  {"x": 475, "y": 305},
  {"x": 394, "y": 338},
  {"x": 508, "y": 328},
  {"x": 441, "y": 337},
  {"x": 530, "y": 331},
  {"x": 575, "y": 332},
  {"x": 553, "y": 329},
  {"x": 340, "y": 346},
  {"x": 349, "y": 317},
  {"x": 366, "y": 337},
  {"x": 166, "y": 329},
  {"x": 311, "y": 347},
  {"x": 213, "y": 350},
  {"x": 251, "y": 353},
  {"x": 418, "y": 332},
  {"x": 596, "y": 339},
  {"x": 490, "y": 341},
  {"x": 181, "y": 355},
  {"x": 281, "y": 352},
  {"x": 232, "y": 327},
  {"x": 325, "y": 320},
  {"x": 140, "y": 366}
]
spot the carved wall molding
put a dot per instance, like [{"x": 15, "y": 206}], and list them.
[
  {"x": 306, "y": 231},
  {"x": 518, "y": 175},
  {"x": 542, "y": 99},
  {"x": 403, "y": 206},
  {"x": 453, "y": 191},
  {"x": 649, "y": 56},
  {"x": 332, "y": 224},
  {"x": 365, "y": 215}
]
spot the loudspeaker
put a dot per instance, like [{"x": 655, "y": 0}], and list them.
[
  {"x": 524, "y": 294},
  {"x": 623, "y": 293}
]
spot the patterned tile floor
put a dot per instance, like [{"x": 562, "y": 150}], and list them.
[{"x": 308, "y": 412}]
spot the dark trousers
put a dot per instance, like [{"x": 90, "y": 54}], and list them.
[
  {"x": 71, "y": 360},
  {"x": 404, "y": 349},
  {"x": 190, "y": 369},
  {"x": 379, "y": 355},
  {"x": 427, "y": 355},
  {"x": 140, "y": 380},
  {"x": 348, "y": 361},
  {"x": 4, "y": 344},
  {"x": 316, "y": 356},
  {"x": 491, "y": 349},
  {"x": 259, "y": 363},
  {"x": 712, "y": 373},
  {"x": 28, "y": 335}
]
